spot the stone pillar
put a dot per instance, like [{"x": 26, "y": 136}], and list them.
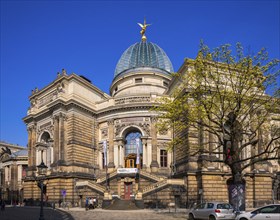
[
  {"x": 29, "y": 130},
  {"x": 56, "y": 139},
  {"x": 62, "y": 118},
  {"x": 33, "y": 143},
  {"x": 154, "y": 163},
  {"x": 145, "y": 153},
  {"x": 111, "y": 143}
]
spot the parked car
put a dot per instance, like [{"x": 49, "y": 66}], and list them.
[
  {"x": 271, "y": 212},
  {"x": 212, "y": 211}
]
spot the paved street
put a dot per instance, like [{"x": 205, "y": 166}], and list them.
[{"x": 32, "y": 213}]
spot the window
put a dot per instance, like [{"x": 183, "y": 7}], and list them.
[
  {"x": 165, "y": 83},
  {"x": 210, "y": 205},
  {"x": 138, "y": 80},
  {"x": 269, "y": 209},
  {"x": 163, "y": 158},
  {"x": 130, "y": 147}
]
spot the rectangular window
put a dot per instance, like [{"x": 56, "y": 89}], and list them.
[
  {"x": 163, "y": 158},
  {"x": 138, "y": 80}
]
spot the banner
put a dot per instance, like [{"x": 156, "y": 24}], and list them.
[
  {"x": 105, "y": 152},
  {"x": 138, "y": 150}
]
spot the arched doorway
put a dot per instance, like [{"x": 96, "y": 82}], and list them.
[
  {"x": 133, "y": 149},
  {"x": 45, "y": 149}
]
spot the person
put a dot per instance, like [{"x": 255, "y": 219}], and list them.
[
  {"x": 86, "y": 203},
  {"x": 2, "y": 205},
  {"x": 90, "y": 203},
  {"x": 94, "y": 202}
]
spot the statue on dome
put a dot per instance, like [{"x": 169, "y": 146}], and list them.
[{"x": 143, "y": 30}]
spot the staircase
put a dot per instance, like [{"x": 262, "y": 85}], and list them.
[
  {"x": 110, "y": 176},
  {"x": 150, "y": 176},
  {"x": 97, "y": 187},
  {"x": 161, "y": 184},
  {"x": 119, "y": 204}
]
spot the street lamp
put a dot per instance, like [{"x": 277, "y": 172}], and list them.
[{"x": 42, "y": 170}]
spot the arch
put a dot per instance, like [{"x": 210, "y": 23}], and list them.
[
  {"x": 44, "y": 150},
  {"x": 133, "y": 147},
  {"x": 45, "y": 137},
  {"x": 129, "y": 128}
]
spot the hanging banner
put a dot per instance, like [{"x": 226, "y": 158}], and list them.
[
  {"x": 105, "y": 152},
  {"x": 138, "y": 150}
]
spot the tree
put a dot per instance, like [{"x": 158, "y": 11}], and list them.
[{"x": 222, "y": 95}]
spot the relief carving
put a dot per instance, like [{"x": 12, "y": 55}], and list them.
[
  {"x": 146, "y": 127},
  {"x": 104, "y": 133}
]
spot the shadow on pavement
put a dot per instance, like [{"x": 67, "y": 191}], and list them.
[{"x": 33, "y": 213}]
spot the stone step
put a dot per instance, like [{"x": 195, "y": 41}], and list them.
[{"x": 119, "y": 204}]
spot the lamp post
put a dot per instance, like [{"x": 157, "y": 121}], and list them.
[{"x": 42, "y": 169}]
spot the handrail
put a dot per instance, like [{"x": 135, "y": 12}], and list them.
[
  {"x": 162, "y": 184},
  {"x": 110, "y": 175},
  {"x": 93, "y": 185}
]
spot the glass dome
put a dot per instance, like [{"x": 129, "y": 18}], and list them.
[{"x": 143, "y": 54}]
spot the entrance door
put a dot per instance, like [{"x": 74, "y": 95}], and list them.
[{"x": 127, "y": 190}]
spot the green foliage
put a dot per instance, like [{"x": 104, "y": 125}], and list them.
[{"x": 216, "y": 84}]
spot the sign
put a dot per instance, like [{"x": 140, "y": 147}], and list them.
[
  {"x": 137, "y": 150},
  {"x": 127, "y": 170},
  {"x": 63, "y": 192},
  {"x": 105, "y": 152}
]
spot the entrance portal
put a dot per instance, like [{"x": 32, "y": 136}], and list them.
[
  {"x": 133, "y": 150},
  {"x": 127, "y": 190}
]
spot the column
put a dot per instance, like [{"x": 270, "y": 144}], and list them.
[
  {"x": 111, "y": 143},
  {"x": 56, "y": 139},
  {"x": 33, "y": 143},
  {"x": 29, "y": 130},
  {"x": 154, "y": 163},
  {"x": 62, "y": 118}
]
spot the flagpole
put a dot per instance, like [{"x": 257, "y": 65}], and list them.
[{"x": 138, "y": 160}]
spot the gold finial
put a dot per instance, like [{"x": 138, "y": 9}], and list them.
[{"x": 143, "y": 30}]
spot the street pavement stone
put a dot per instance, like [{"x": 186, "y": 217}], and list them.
[
  {"x": 32, "y": 213},
  {"x": 146, "y": 214}
]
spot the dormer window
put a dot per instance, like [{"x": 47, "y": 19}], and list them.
[{"x": 138, "y": 80}]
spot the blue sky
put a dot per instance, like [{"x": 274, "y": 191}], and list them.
[{"x": 39, "y": 38}]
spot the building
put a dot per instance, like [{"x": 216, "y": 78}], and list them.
[
  {"x": 84, "y": 135},
  {"x": 13, "y": 164},
  {"x": 107, "y": 145}
]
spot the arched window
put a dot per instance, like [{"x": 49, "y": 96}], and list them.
[
  {"x": 131, "y": 149},
  {"x": 130, "y": 146}
]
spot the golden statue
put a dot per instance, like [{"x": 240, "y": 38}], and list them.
[{"x": 143, "y": 30}]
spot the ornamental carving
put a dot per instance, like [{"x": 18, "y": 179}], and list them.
[
  {"x": 154, "y": 119},
  {"x": 110, "y": 122},
  {"x": 118, "y": 129},
  {"x": 143, "y": 125},
  {"x": 45, "y": 127},
  {"x": 141, "y": 99},
  {"x": 146, "y": 127},
  {"x": 104, "y": 133}
]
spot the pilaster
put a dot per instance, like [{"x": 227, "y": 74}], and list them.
[
  {"x": 154, "y": 163},
  {"x": 111, "y": 163}
]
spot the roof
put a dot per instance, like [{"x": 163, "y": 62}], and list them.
[{"x": 143, "y": 54}]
